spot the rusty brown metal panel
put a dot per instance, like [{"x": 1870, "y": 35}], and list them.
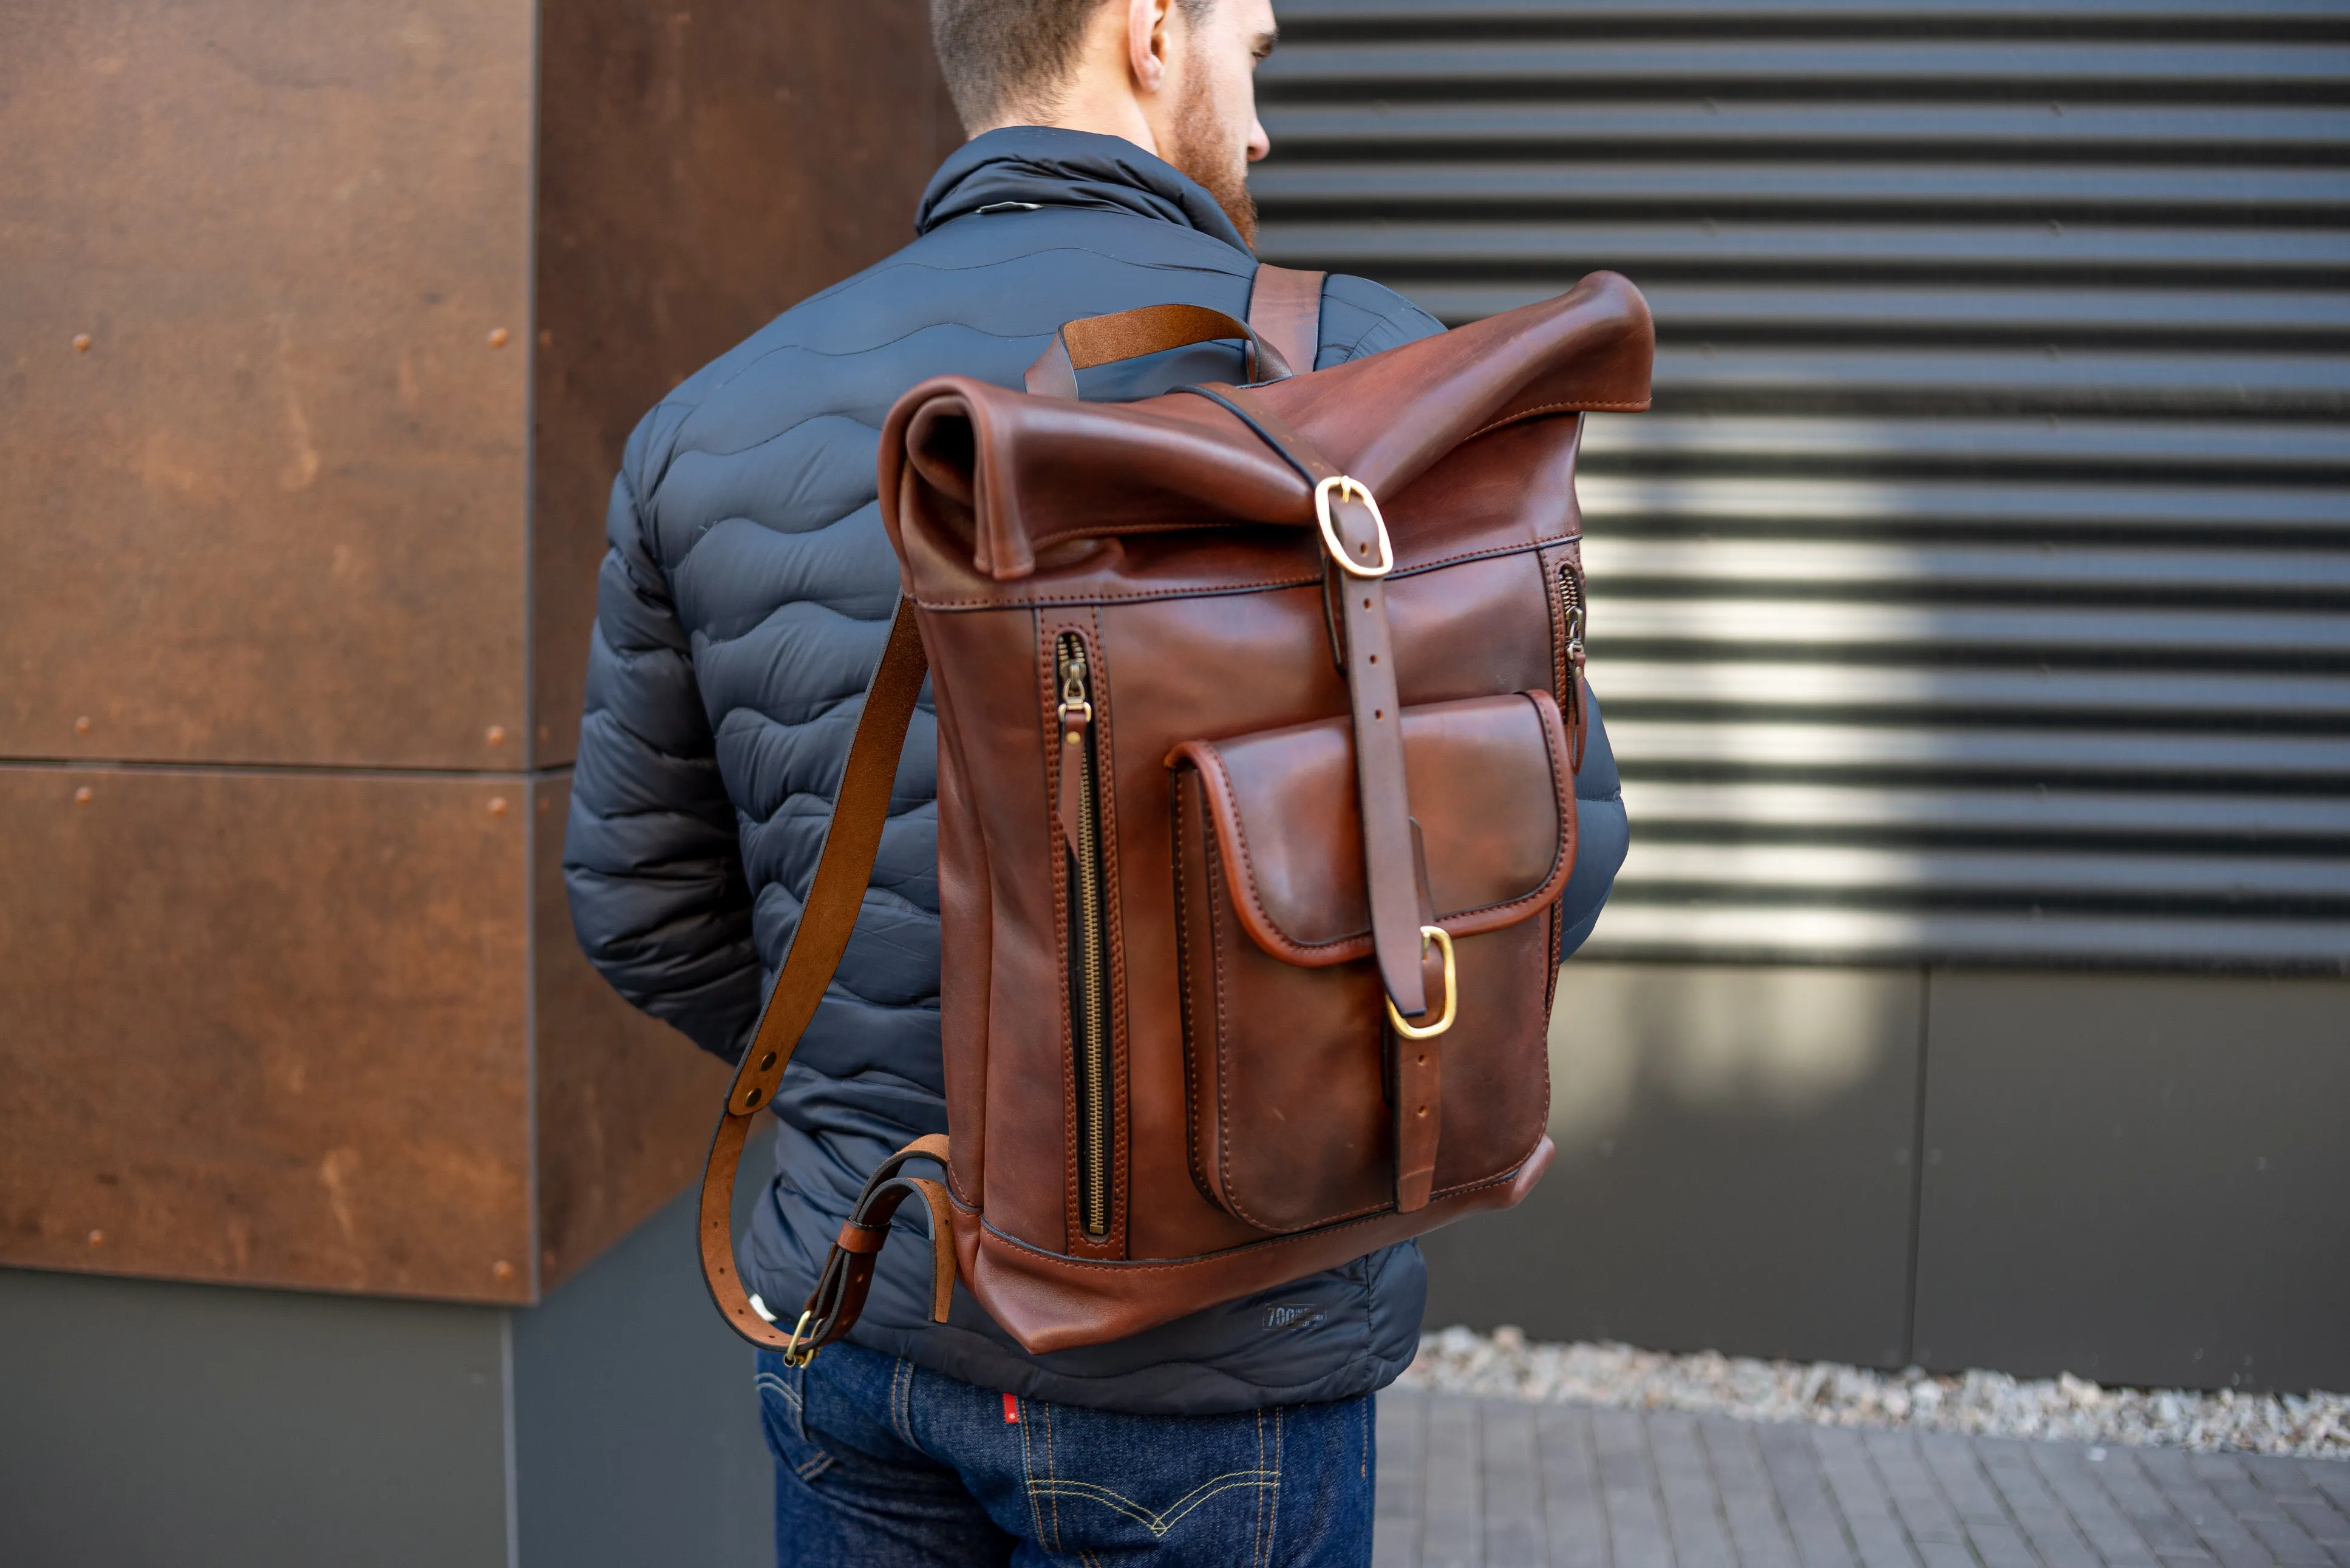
[
  {"x": 625, "y": 1104},
  {"x": 266, "y": 1027},
  {"x": 701, "y": 169},
  {"x": 266, "y": 477}
]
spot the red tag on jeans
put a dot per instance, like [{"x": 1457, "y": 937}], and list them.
[{"x": 1011, "y": 1410}]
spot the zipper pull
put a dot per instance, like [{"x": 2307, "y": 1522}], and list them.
[
  {"x": 1570, "y": 588},
  {"x": 1072, "y": 719}
]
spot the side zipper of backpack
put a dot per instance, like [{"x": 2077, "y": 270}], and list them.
[
  {"x": 1572, "y": 620},
  {"x": 1089, "y": 1020}
]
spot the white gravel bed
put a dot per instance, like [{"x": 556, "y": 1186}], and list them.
[{"x": 1505, "y": 1364}]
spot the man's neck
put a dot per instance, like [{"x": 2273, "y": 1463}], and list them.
[{"x": 1107, "y": 117}]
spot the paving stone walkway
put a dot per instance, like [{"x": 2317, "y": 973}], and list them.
[{"x": 1485, "y": 1483}]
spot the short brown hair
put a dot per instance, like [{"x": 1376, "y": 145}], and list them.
[{"x": 1002, "y": 56}]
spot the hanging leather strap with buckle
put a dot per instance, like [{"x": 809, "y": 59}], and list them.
[{"x": 826, "y": 920}]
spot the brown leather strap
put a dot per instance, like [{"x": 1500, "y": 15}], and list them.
[
  {"x": 1369, "y": 653},
  {"x": 842, "y": 874},
  {"x": 1093, "y": 341},
  {"x": 1391, "y": 861},
  {"x": 1286, "y": 310}
]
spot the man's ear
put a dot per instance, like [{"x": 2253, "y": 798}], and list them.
[{"x": 1146, "y": 42}]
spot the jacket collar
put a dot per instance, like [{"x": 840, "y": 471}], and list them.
[{"x": 1046, "y": 166}]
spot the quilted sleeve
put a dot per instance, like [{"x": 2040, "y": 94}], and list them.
[
  {"x": 1601, "y": 834},
  {"x": 650, "y": 855}
]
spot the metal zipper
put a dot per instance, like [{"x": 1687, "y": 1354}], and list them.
[
  {"x": 1571, "y": 619},
  {"x": 1089, "y": 962}
]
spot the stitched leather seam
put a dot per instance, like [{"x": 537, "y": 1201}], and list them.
[
  {"x": 1064, "y": 1261},
  {"x": 1183, "y": 958},
  {"x": 1231, "y": 1198},
  {"x": 1048, "y": 638},
  {"x": 1120, "y": 1046},
  {"x": 1522, "y": 415},
  {"x": 1269, "y": 585}
]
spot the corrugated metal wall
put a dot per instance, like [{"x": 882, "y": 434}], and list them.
[{"x": 1979, "y": 586}]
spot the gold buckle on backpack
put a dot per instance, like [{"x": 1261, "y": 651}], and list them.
[
  {"x": 1351, "y": 490},
  {"x": 1443, "y": 940}
]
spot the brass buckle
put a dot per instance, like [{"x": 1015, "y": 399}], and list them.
[
  {"x": 1351, "y": 490},
  {"x": 793, "y": 1355},
  {"x": 1443, "y": 940}
]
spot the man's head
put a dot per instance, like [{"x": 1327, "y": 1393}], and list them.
[{"x": 1177, "y": 78}]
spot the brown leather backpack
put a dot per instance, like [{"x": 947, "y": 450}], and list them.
[{"x": 1258, "y": 715}]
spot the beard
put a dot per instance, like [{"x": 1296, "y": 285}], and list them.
[{"x": 1205, "y": 146}]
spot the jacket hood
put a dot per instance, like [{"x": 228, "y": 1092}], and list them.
[{"x": 1046, "y": 167}]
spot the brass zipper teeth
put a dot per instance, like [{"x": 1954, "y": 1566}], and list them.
[
  {"x": 1089, "y": 986},
  {"x": 1570, "y": 593}
]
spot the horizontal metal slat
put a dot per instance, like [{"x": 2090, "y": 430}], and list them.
[
  {"x": 1405, "y": 132},
  {"x": 1666, "y": 805},
  {"x": 1616, "y": 561},
  {"x": 2051, "y": 629},
  {"x": 1657, "y": 747},
  {"x": 2044, "y": 190},
  {"x": 1632, "y": 928},
  {"x": 2100, "y": 380},
  {"x": 2286, "y": 453},
  {"x": 2202, "y": 701},
  {"x": 2160, "y": 69},
  {"x": 1732, "y": 869},
  {"x": 1739, "y": 247},
  {"x": 2048, "y": 313},
  {"x": 1452, "y": 15},
  {"x": 1625, "y": 503}
]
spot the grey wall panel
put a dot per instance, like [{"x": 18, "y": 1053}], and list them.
[
  {"x": 146, "y": 1425},
  {"x": 1736, "y": 1168},
  {"x": 2140, "y": 1180},
  {"x": 1997, "y": 452},
  {"x": 636, "y": 1424}
]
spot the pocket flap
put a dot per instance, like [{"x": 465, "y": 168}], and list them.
[{"x": 1489, "y": 788}]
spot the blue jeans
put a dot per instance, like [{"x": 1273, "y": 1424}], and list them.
[{"x": 882, "y": 1464}]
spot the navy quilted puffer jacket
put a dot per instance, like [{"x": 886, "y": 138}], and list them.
[{"x": 742, "y": 611}]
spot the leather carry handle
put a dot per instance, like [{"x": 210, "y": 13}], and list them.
[
  {"x": 1285, "y": 310},
  {"x": 1093, "y": 341},
  {"x": 1283, "y": 333},
  {"x": 842, "y": 874}
]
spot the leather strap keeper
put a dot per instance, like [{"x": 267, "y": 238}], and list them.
[{"x": 856, "y": 1238}]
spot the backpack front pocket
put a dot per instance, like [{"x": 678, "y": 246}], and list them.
[{"x": 1291, "y": 1059}]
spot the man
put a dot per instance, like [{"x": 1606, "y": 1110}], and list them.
[{"x": 742, "y": 609}]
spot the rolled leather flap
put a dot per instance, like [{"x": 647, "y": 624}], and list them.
[
  {"x": 1008, "y": 474},
  {"x": 1491, "y": 790}
]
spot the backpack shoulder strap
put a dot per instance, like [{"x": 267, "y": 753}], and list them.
[
  {"x": 1285, "y": 310},
  {"x": 842, "y": 874}
]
